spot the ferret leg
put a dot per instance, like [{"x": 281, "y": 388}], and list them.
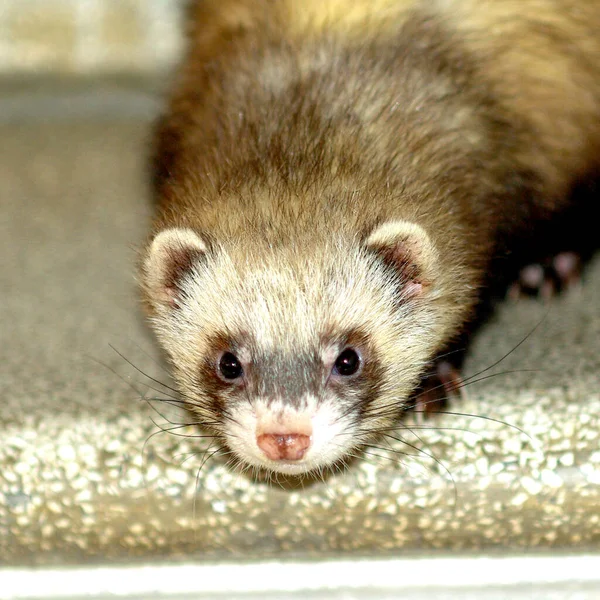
[{"x": 437, "y": 389}]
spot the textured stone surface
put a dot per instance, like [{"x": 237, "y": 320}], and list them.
[{"x": 82, "y": 477}]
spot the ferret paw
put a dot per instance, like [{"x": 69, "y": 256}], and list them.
[
  {"x": 547, "y": 279},
  {"x": 437, "y": 389}
]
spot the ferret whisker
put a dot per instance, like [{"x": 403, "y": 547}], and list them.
[
  {"x": 208, "y": 454},
  {"x": 485, "y": 418},
  {"x": 186, "y": 454},
  {"x": 254, "y": 472},
  {"x": 393, "y": 405},
  {"x": 182, "y": 403},
  {"x": 341, "y": 465},
  {"x": 205, "y": 459},
  {"x": 471, "y": 379},
  {"x": 190, "y": 455},
  {"x": 161, "y": 415},
  {"x": 173, "y": 398},
  {"x": 174, "y": 402},
  {"x": 158, "y": 363},
  {"x": 226, "y": 414},
  {"x": 191, "y": 436},
  {"x": 397, "y": 460},
  {"x": 416, "y": 435},
  {"x": 158, "y": 432},
  {"x": 173, "y": 431},
  {"x": 278, "y": 481},
  {"x": 424, "y": 428},
  {"x": 505, "y": 356},
  {"x": 390, "y": 411},
  {"x": 226, "y": 451},
  {"x": 125, "y": 379},
  {"x": 236, "y": 465},
  {"x": 423, "y": 452},
  {"x": 266, "y": 473},
  {"x": 130, "y": 363},
  {"x": 432, "y": 457},
  {"x": 162, "y": 430},
  {"x": 374, "y": 409},
  {"x": 361, "y": 455},
  {"x": 244, "y": 469},
  {"x": 410, "y": 465},
  {"x": 451, "y": 353},
  {"x": 395, "y": 451},
  {"x": 337, "y": 468},
  {"x": 323, "y": 470},
  {"x": 170, "y": 403},
  {"x": 208, "y": 420},
  {"x": 464, "y": 383},
  {"x": 145, "y": 444},
  {"x": 474, "y": 378}
]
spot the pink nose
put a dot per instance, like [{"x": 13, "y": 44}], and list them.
[{"x": 283, "y": 446}]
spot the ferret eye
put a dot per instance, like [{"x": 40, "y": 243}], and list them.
[
  {"x": 347, "y": 363},
  {"x": 230, "y": 367}
]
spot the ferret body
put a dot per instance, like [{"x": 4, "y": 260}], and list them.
[{"x": 333, "y": 179}]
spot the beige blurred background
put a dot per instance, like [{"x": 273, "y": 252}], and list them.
[{"x": 71, "y": 37}]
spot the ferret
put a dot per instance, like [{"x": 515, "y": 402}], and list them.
[{"x": 333, "y": 179}]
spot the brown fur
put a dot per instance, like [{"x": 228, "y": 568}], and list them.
[
  {"x": 510, "y": 91},
  {"x": 299, "y": 128}
]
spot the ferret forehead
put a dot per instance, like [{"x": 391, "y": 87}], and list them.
[
  {"x": 284, "y": 299},
  {"x": 302, "y": 266}
]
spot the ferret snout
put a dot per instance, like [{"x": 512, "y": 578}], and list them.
[
  {"x": 283, "y": 446},
  {"x": 286, "y": 439},
  {"x": 284, "y": 436}
]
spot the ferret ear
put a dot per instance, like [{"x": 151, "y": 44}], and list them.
[
  {"x": 407, "y": 247},
  {"x": 169, "y": 258}
]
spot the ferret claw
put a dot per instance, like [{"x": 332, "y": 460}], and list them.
[{"x": 547, "y": 279}]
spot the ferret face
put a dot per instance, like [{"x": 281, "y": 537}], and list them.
[{"x": 294, "y": 357}]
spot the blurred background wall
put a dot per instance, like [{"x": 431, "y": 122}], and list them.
[{"x": 71, "y": 37}]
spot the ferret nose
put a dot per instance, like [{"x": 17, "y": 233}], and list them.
[{"x": 284, "y": 446}]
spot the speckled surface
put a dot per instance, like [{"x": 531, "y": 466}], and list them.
[{"x": 83, "y": 479}]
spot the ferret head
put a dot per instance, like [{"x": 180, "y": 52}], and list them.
[{"x": 295, "y": 354}]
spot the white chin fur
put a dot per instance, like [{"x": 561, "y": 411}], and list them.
[{"x": 332, "y": 436}]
